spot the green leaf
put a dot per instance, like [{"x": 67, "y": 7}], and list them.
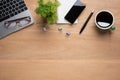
[{"x": 48, "y": 10}]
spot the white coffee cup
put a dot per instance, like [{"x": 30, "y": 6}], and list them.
[{"x": 104, "y": 20}]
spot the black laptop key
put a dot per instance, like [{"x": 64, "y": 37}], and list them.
[
  {"x": 21, "y": 2},
  {"x": 11, "y": 3},
  {"x": 11, "y": 15},
  {"x": 0, "y": 3},
  {"x": 8, "y": 0},
  {"x": 14, "y": 1},
  {"x": 13, "y": 10},
  {"x": 25, "y": 8},
  {"x": 13, "y": 6},
  {"x": 16, "y": 13},
  {"x": 7, "y": 4},
  {"x": 4, "y": 2},
  {"x": 17, "y": 4},
  {"x": 21, "y": 6}
]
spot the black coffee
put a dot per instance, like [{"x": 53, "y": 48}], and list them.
[{"x": 104, "y": 19}]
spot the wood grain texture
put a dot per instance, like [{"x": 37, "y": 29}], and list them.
[
  {"x": 31, "y": 54},
  {"x": 59, "y": 70}
]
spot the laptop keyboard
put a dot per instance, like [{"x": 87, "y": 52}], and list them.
[{"x": 10, "y": 8}]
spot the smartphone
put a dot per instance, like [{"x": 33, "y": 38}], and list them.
[{"x": 74, "y": 12}]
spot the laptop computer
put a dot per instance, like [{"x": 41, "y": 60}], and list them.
[{"x": 14, "y": 16}]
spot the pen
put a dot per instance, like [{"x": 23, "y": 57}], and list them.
[{"x": 86, "y": 22}]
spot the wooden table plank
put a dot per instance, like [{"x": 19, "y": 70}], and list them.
[{"x": 59, "y": 70}]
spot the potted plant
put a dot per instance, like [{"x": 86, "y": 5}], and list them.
[{"x": 48, "y": 11}]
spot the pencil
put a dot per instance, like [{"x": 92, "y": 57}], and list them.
[{"x": 84, "y": 25}]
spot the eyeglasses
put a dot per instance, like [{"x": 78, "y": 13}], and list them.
[{"x": 17, "y": 22}]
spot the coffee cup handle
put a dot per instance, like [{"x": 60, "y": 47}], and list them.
[{"x": 113, "y": 28}]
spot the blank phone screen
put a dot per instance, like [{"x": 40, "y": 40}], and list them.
[{"x": 74, "y": 13}]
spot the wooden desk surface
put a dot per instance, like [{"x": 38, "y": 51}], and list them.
[{"x": 32, "y": 54}]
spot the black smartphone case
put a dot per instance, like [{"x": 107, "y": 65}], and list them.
[{"x": 75, "y": 11}]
